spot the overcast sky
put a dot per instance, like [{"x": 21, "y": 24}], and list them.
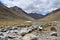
[{"x": 38, "y": 6}]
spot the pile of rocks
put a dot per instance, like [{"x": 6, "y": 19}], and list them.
[
  {"x": 15, "y": 33},
  {"x": 22, "y": 33}
]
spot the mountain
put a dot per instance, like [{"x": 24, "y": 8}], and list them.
[
  {"x": 52, "y": 16},
  {"x": 21, "y": 13},
  {"x": 10, "y": 14},
  {"x": 36, "y": 15}
]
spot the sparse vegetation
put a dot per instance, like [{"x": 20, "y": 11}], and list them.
[
  {"x": 17, "y": 23},
  {"x": 48, "y": 25}
]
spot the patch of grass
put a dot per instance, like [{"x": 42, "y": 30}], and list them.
[{"x": 15, "y": 22}]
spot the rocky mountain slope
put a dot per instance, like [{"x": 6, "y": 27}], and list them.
[
  {"x": 21, "y": 13},
  {"x": 10, "y": 14}
]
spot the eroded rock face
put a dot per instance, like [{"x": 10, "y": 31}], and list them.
[{"x": 30, "y": 37}]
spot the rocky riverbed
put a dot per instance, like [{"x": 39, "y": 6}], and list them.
[{"x": 25, "y": 33}]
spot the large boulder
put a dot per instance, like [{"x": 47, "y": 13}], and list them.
[
  {"x": 29, "y": 37},
  {"x": 25, "y": 31}
]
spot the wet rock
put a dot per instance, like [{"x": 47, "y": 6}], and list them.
[{"x": 29, "y": 37}]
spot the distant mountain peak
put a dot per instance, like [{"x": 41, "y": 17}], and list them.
[
  {"x": 16, "y": 8},
  {"x": 36, "y": 15}
]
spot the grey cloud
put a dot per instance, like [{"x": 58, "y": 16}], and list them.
[
  {"x": 46, "y": 6},
  {"x": 34, "y": 5}
]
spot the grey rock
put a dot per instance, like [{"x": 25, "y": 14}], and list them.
[
  {"x": 25, "y": 31},
  {"x": 29, "y": 37}
]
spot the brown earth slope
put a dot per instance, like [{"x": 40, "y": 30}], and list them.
[
  {"x": 23, "y": 15},
  {"x": 52, "y": 16},
  {"x": 8, "y": 14}
]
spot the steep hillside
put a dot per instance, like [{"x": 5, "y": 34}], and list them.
[
  {"x": 8, "y": 14},
  {"x": 21, "y": 13},
  {"x": 52, "y": 16}
]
